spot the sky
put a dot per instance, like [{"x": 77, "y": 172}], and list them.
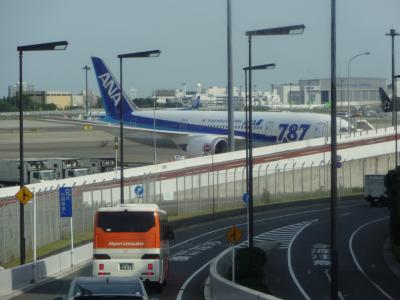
[{"x": 192, "y": 37}]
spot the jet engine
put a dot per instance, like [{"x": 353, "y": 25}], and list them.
[{"x": 203, "y": 145}]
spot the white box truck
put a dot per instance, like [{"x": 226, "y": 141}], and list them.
[{"x": 375, "y": 190}]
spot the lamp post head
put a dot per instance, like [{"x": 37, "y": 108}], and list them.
[
  {"x": 295, "y": 29},
  {"x": 86, "y": 68},
  {"x": 62, "y": 45},
  {"x": 261, "y": 67},
  {"x": 151, "y": 53},
  {"x": 392, "y": 33}
]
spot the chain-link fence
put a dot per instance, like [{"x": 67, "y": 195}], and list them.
[{"x": 191, "y": 193}]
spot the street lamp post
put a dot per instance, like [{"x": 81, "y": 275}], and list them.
[
  {"x": 393, "y": 34},
  {"x": 247, "y": 127},
  {"x": 143, "y": 54},
  {"x": 230, "y": 98},
  {"x": 116, "y": 156},
  {"x": 86, "y": 68},
  {"x": 297, "y": 29},
  {"x": 395, "y": 104},
  {"x": 333, "y": 193},
  {"x": 62, "y": 45},
  {"x": 348, "y": 84},
  {"x": 154, "y": 132}
]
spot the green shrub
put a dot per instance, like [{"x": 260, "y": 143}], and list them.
[
  {"x": 392, "y": 184},
  {"x": 250, "y": 263}
]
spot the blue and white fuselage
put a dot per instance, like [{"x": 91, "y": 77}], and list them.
[{"x": 197, "y": 131}]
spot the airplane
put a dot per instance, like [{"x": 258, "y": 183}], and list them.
[
  {"x": 195, "y": 105},
  {"x": 204, "y": 132},
  {"x": 387, "y": 103}
]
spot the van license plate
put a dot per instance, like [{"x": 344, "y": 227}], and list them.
[{"x": 125, "y": 266}]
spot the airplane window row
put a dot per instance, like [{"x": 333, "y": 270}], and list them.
[{"x": 236, "y": 127}]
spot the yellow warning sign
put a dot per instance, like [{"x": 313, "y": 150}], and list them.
[
  {"x": 24, "y": 195},
  {"x": 234, "y": 235}
]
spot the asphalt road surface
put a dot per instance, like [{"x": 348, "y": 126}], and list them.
[
  {"x": 46, "y": 139},
  {"x": 297, "y": 267}
]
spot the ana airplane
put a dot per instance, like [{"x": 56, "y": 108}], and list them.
[
  {"x": 204, "y": 132},
  {"x": 387, "y": 103}
]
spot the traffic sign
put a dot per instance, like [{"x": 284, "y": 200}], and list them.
[
  {"x": 206, "y": 148},
  {"x": 234, "y": 235},
  {"x": 65, "y": 202},
  {"x": 246, "y": 197},
  {"x": 24, "y": 195},
  {"x": 339, "y": 164},
  {"x": 139, "y": 190},
  {"x": 338, "y": 158}
]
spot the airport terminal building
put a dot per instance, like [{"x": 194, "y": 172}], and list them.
[
  {"x": 60, "y": 99},
  {"x": 361, "y": 91}
]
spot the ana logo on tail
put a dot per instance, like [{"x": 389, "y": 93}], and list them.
[
  {"x": 111, "y": 87},
  {"x": 387, "y": 104},
  {"x": 196, "y": 103}
]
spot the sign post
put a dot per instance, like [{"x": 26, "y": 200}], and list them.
[
  {"x": 66, "y": 212},
  {"x": 233, "y": 235},
  {"x": 34, "y": 236},
  {"x": 34, "y": 227},
  {"x": 23, "y": 195}
]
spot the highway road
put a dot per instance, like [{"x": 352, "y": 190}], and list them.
[{"x": 298, "y": 265}]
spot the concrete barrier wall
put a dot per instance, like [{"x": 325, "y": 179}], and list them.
[
  {"x": 222, "y": 289},
  {"x": 21, "y": 276}
]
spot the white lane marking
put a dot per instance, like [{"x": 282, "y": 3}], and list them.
[
  {"x": 179, "y": 297},
  {"x": 329, "y": 278},
  {"x": 289, "y": 253},
  {"x": 356, "y": 261},
  {"x": 259, "y": 238},
  {"x": 186, "y": 254},
  {"x": 258, "y": 221},
  {"x": 183, "y": 287}
]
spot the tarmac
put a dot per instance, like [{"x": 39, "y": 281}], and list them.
[{"x": 47, "y": 139}]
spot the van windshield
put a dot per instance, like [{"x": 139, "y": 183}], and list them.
[{"x": 126, "y": 221}]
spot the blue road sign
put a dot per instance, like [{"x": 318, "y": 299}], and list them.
[
  {"x": 339, "y": 164},
  {"x": 65, "y": 202},
  {"x": 245, "y": 198},
  {"x": 139, "y": 191}
]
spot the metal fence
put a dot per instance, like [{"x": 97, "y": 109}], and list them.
[{"x": 190, "y": 194}]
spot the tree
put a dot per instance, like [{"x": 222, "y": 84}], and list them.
[{"x": 392, "y": 183}]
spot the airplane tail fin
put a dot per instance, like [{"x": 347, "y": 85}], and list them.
[
  {"x": 196, "y": 103},
  {"x": 387, "y": 104},
  {"x": 110, "y": 91}
]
